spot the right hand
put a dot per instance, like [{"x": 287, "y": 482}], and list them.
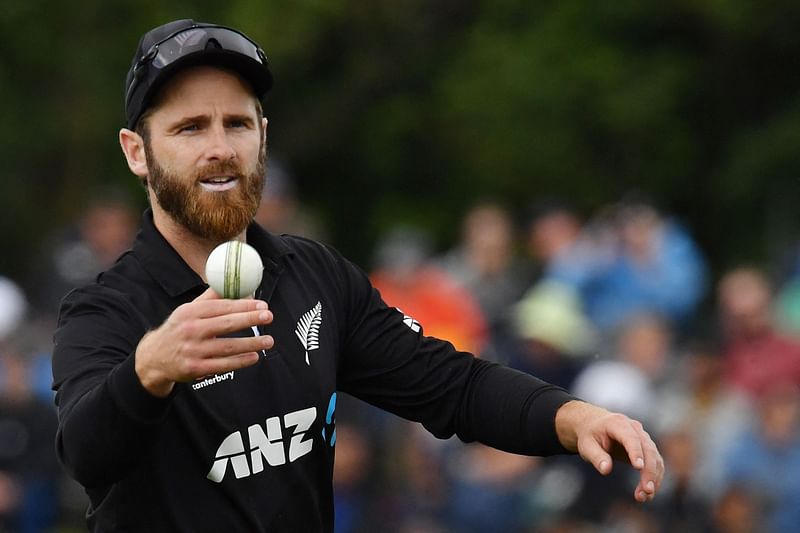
[{"x": 188, "y": 345}]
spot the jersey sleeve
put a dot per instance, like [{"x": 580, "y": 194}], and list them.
[
  {"x": 388, "y": 362},
  {"x": 107, "y": 420}
]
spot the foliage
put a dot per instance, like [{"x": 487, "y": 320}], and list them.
[{"x": 410, "y": 110}]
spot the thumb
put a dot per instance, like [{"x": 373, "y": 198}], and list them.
[
  {"x": 593, "y": 453},
  {"x": 208, "y": 294}
]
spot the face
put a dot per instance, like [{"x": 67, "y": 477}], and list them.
[
  {"x": 205, "y": 153},
  {"x": 745, "y": 302}
]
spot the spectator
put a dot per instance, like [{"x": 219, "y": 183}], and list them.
[
  {"x": 280, "y": 210},
  {"x": 421, "y": 496},
  {"x": 484, "y": 263},
  {"x": 767, "y": 459},
  {"x": 489, "y": 490},
  {"x": 29, "y": 471},
  {"x": 701, "y": 403},
  {"x": 756, "y": 354},
  {"x": 684, "y": 507},
  {"x": 351, "y": 474},
  {"x": 407, "y": 279},
  {"x": 103, "y": 232},
  {"x": 555, "y": 336},
  {"x": 636, "y": 374},
  {"x": 13, "y": 307},
  {"x": 736, "y": 512},
  {"x": 787, "y": 284},
  {"x": 787, "y": 308},
  {"x": 634, "y": 260},
  {"x": 554, "y": 231}
]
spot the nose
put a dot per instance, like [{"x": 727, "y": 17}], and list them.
[{"x": 219, "y": 146}]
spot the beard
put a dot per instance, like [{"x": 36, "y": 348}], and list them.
[{"x": 216, "y": 216}]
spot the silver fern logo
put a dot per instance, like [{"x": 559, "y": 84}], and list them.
[{"x": 308, "y": 329}]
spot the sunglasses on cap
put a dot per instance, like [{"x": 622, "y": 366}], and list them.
[{"x": 187, "y": 41}]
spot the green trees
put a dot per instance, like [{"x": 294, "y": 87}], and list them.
[{"x": 412, "y": 109}]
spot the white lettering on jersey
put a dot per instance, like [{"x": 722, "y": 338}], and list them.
[
  {"x": 232, "y": 448},
  {"x": 265, "y": 443},
  {"x": 207, "y": 381},
  {"x": 301, "y": 422}
]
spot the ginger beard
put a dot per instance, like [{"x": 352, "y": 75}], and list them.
[{"x": 215, "y": 216}]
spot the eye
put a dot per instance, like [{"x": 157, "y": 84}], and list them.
[
  {"x": 189, "y": 128},
  {"x": 237, "y": 124}
]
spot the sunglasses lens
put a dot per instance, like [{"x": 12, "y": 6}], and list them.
[{"x": 197, "y": 39}]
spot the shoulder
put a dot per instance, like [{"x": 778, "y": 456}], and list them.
[
  {"x": 95, "y": 323},
  {"x": 96, "y": 300},
  {"x": 324, "y": 258},
  {"x": 310, "y": 248},
  {"x": 113, "y": 297},
  {"x": 314, "y": 262}
]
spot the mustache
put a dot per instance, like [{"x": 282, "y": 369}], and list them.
[{"x": 219, "y": 168}]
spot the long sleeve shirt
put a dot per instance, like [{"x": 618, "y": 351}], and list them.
[{"x": 253, "y": 449}]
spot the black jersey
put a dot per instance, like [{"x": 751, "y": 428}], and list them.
[{"x": 252, "y": 450}]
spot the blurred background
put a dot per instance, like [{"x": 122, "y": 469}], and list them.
[{"x": 599, "y": 193}]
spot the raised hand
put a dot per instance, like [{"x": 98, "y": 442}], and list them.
[{"x": 190, "y": 343}]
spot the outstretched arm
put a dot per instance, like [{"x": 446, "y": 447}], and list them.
[{"x": 599, "y": 436}]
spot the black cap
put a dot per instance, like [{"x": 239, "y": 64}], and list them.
[{"x": 165, "y": 50}]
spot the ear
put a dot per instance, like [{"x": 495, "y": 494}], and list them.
[
  {"x": 133, "y": 147},
  {"x": 264, "y": 123}
]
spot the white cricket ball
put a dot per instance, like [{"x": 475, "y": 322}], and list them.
[{"x": 234, "y": 270}]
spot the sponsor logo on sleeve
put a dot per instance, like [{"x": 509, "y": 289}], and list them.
[{"x": 412, "y": 324}]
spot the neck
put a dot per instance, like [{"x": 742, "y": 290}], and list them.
[{"x": 193, "y": 250}]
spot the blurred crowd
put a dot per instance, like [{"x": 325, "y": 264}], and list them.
[{"x": 618, "y": 306}]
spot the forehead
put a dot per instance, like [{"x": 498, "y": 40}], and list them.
[{"x": 198, "y": 90}]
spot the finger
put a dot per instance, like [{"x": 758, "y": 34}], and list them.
[
  {"x": 230, "y": 323},
  {"x": 645, "y": 491},
  {"x": 653, "y": 472},
  {"x": 209, "y": 294},
  {"x": 630, "y": 436},
  {"x": 207, "y": 308},
  {"x": 593, "y": 453},
  {"x": 227, "y": 364},
  {"x": 228, "y": 347}
]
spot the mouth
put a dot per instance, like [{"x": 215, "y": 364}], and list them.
[{"x": 219, "y": 183}]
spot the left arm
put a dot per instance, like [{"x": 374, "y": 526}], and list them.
[
  {"x": 387, "y": 361},
  {"x": 391, "y": 365}
]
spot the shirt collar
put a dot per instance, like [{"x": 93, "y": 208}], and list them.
[{"x": 169, "y": 269}]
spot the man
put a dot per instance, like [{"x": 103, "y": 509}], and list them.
[{"x": 175, "y": 416}]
